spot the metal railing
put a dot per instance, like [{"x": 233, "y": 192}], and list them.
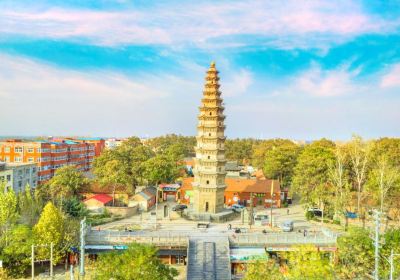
[
  {"x": 122, "y": 237},
  {"x": 287, "y": 239}
]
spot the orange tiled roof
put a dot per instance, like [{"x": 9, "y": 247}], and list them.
[{"x": 240, "y": 185}]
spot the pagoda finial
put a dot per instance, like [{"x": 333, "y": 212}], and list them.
[{"x": 213, "y": 64}]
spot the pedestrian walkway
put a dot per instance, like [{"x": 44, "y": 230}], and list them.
[{"x": 208, "y": 259}]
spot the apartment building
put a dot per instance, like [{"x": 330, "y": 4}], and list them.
[
  {"x": 48, "y": 155},
  {"x": 99, "y": 143},
  {"x": 18, "y": 175}
]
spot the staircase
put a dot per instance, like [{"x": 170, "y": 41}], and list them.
[{"x": 208, "y": 259}]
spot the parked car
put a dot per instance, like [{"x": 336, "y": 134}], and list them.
[
  {"x": 240, "y": 230},
  {"x": 179, "y": 207},
  {"x": 237, "y": 207},
  {"x": 287, "y": 226},
  {"x": 316, "y": 211},
  {"x": 261, "y": 219}
]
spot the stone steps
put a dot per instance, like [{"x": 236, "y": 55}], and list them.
[{"x": 208, "y": 259}]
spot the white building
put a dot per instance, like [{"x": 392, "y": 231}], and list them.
[
  {"x": 112, "y": 143},
  {"x": 18, "y": 175}
]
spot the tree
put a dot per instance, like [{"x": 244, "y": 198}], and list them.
[
  {"x": 305, "y": 262},
  {"x": 311, "y": 174},
  {"x": 8, "y": 210},
  {"x": 30, "y": 206},
  {"x": 263, "y": 270},
  {"x": 67, "y": 182},
  {"x": 359, "y": 153},
  {"x": 16, "y": 254},
  {"x": 50, "y": 229},
  {"x": 129, "y": 159},
  {"x": 383, "y": 178},
  {"x": 392, "y": 242},
  {"x": 339, "y": 179},
  {"x": 280, "y": 162},
  {"x": 161, "y": 169},
  {"x": 239, "y": 150},
  {"x": 75, "y": 208},
  {"x": 137, "y": 262},
  {"x": 261, "y": 147},
  {"x": 355, "y": 255}
]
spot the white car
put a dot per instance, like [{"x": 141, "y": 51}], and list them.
[{"x": 287, "y": 226}]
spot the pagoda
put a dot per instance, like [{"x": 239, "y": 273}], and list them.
[{"x": 209, "y": 171}]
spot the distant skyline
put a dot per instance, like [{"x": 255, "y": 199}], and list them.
[{"x": 289, "y": 69}]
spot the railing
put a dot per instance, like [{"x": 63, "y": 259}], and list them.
[
  {"x": 273, "y": 238},
  {"x": 122, "y": 237}
]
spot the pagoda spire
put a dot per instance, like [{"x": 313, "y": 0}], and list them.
[{"x": 209, "y": 171}]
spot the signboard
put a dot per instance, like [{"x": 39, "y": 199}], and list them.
[{"x": 248, "y": 254}]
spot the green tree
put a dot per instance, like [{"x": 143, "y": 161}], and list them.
[
  {"x": 50, "y": 229},
  {"x": 261, "y": 147},
  {"x": 280, "y": 162},
  {"x": 67, "y": 182},
  {"x": 16, "y": 254},
  {"x": 305, "y": 262},
  {"x": 75, "y": 208},
  {"x": 125, "y": 162},
  {"x": 263, "y": 270},
  {"x": 339, "y": 179},
  {"x": 8, "y": 211},
  {"x": 137, "y": 262},
  {"x": 383, "y": 179},
  {"x": 30, "y": 206},
  {"x": 311, "y": 174},
  {"x": 161, "y": 169},
  {"x": 239, "y": 150},
  {"x": 359, "y": 154},
  {"x": 355, "y": 255},
  {"x": 392, "y": 242}
]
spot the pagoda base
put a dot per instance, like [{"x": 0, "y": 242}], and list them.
[{"x": 223, "y": 216}]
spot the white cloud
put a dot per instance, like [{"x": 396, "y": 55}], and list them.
[
  {"x": 238, "y": 83},
  {"x": 392, "y": 78},
  {"x": 327, "y": 83},
  {"x": 288, "y": 26}
]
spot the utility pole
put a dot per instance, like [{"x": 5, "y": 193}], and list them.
[
  {"x": 251, "y": 210},
  {"x": 272, "y": 200},
  {"x": 377, "y": 227},
  {"x": 82, "y": 256},
  {"x": 51, "y": 260},
  {"x": 33, "y": 261},
  {"x": 156, "y": 205}
]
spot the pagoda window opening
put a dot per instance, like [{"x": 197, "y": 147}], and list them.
[
  {"x": 210, "y": 114},
  {"x": 208, "y": 182}
]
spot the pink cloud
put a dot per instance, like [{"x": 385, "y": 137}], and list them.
[
  {"x": 194, "y": 23},
  {"x": 392, "y": 78}
]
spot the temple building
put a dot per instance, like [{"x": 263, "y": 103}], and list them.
[{"x": 209, "y": 172}]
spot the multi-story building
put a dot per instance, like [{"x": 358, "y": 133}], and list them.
[
  {"x": 18, "y": 175},
  {"x": 99, "y": 143},
  {"x": 48, "y": 155}
]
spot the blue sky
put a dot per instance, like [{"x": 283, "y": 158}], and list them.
[{"x": 293, "y": 69}]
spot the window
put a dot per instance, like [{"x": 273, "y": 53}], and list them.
[
  {"x": 209, "y": 134},
  {"x": 1, "y": 178},
  {"x": 7, "y": 149},
  {"x": 208, "y": 157},
  {"x": 18, "y": 149},
  {"x": 30, "y": 159},
  {"x": 18, "y": 159},
  {"x": 38, "y": 150},
  {"x": 7, "y": 159},
  {"x": 210, "y": 114},
  {"x": 208, "y": 182},
  {"x": 8, "y": 178},
  {"x": 30, "y": 150}
]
